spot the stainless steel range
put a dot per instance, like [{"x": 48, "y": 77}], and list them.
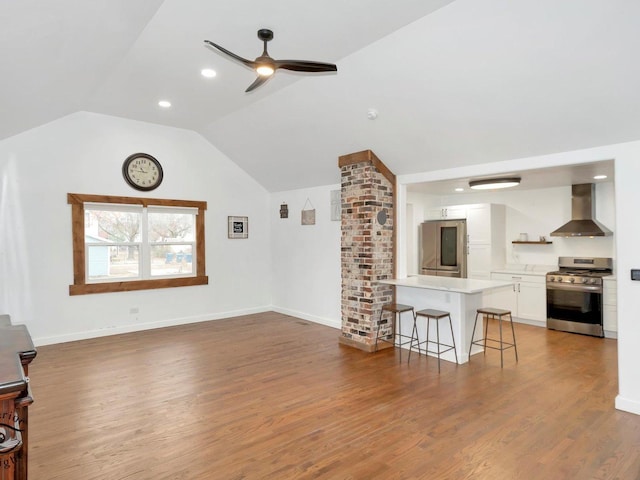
[{"x": 574, "y": 295}]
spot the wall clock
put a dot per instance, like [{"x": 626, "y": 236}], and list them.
[{"x": 142, "y": 171}]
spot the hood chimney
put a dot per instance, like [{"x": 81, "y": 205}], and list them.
[{"x": 583, "y": 223}]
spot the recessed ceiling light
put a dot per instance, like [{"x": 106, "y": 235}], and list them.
[
  {"x": 599, "y": 177},
  {"x": 208, "y": 72},
  {"x": 459, "y": 189},
  {"x": 164, "y": 103}
]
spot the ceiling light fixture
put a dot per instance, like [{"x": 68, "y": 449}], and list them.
[
  {"x": 599, "y": 177},
  {"x": 164, "y": 103},
  {"x": 208, "y": 72},
  {"x": 494, "y": 183},
  {"x": 265, "y": 68},
  {"x": 459, "y": 189}
]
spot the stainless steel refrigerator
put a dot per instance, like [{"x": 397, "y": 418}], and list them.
[{"x": 443, "y": 250}]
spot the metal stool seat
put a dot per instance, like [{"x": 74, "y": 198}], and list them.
[
  {"x": 498, "y": 344},
  {"x": 397, "y": 309},
  {"x": 441, "y": 348}
]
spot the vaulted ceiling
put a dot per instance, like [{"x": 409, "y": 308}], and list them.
[{"x": 454, "y": 83}]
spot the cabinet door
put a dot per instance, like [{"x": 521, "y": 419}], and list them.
[
  {"x": 503, "y": 297},
  {"x": 479, "y": 223},
  {"x": 532, "y": 301},
  {"x": 610, "y": 318},
  {"x": 479, "y": 262},
  {"x": 609, "y": 307},
  {"x": 453, "y": 213},
  {"x": 445, "y": 213},
  {"x": 434, "y": 213}
]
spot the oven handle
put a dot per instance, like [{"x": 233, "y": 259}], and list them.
[{"x": 574, "y": 288}]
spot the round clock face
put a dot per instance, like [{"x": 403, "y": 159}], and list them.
[{"x": 142, "y": 171}]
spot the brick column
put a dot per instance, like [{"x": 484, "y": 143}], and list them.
[{"x": 368, "y": 247}]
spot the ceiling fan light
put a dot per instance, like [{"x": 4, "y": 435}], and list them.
[
  {"x": 265, "y": 70},
  {"x": 494, "y": 183}
]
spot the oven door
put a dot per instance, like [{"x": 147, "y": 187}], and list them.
[{"x": 575, "y": 308}]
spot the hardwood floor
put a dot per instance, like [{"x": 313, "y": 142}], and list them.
[{"x": 270, "y": 396}]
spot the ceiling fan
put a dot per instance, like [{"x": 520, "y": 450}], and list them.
[{"x": 265, "y": 66}]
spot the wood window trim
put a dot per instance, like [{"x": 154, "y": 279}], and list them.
[{"x": 80, "y": 287}]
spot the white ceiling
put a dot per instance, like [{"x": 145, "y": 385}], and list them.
[{"x": 455, "y": 83}]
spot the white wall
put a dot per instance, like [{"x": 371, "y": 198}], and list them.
[
  {"x": 83, "y": 153},
  {"x": 628, "y": 245},
  {"x": 538, "y": 212},
  {"x": 306, "y": 258}
]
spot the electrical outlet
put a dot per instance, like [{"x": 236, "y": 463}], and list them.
[{"x": 134, "y": 310}]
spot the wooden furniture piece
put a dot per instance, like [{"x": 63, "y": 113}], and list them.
[
  {"x": 497, "y": 344},
  {"x": 440, "y": 347},
  {"x": 16, "y": 353},
  {"x": 397, "y": 309}
]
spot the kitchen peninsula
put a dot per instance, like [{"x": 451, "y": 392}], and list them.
[{"x": 459, "y": 296}]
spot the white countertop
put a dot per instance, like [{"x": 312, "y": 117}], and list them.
[
  {"x": 458, "y": 285},
  {"x": 521, "y": 269}
]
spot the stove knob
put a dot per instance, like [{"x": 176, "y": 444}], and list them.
[
  {"x": 572, "y": 279},
  {"x": 585, "y": 280},
  {"x": 551, "y": 279}
]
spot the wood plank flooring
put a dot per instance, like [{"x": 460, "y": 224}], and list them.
[{"x": 270, "y": 396}]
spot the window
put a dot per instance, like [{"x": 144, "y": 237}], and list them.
[{"x": 126, "y": 243}]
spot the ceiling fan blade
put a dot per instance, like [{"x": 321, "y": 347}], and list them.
[
  {"x": 248, "y": 63},
  {"x": 259, "y": 81},
  {"x": 305, "y": 66}
]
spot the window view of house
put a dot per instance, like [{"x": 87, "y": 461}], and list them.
[{"x": 138, "y": 243}]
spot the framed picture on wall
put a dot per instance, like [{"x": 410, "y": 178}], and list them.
[{"x": 238, "y": 227}]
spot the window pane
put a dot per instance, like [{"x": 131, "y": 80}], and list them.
[
  {"x": 112, "y": 226},
  {"x": 171, "y": 259},
  {"x": 108, "y": 262},
  {"x": 171, "y": 227}
]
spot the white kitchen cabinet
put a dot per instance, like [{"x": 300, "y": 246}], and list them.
[
  {"x": 486, "y": 246},
  {"x": 446, "y": 213},
  {"x": 479, "y": 261},
  {"x": 610, "y": 307},
  {"x": 479, "y": 223},
  {"x": 526, "y": 298}
]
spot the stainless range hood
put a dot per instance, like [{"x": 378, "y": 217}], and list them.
[{"x": 583, "y": 223}]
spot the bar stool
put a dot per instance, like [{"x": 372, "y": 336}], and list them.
[
  {"x": 497, "y": 314},
  {"x": 397, "y": 309},
  {"x": 436, "y": 315}
]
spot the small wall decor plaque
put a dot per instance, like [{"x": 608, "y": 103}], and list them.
[
  {"x": 308, "y": 215},
  {"x": 336, "y": 207},
  {"x": 284, "y": 211},
  {"x": 238, "y": 227}
]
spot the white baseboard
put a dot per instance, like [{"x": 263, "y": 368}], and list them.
[
  {"x": 627, "y": 405},
  {"x": 137, "y": 327},
  {"x": 312, "y": 318}
]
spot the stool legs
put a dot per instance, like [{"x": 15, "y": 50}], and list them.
[
  {"x": 378, "y": 329},
  {"x": 495, "y": 314},
  {"x": 515, "y": 348},
  {"x": 437, "y": 315},
  {"x": 414, "y": 333},
  {"x": 397, "y": 335}
]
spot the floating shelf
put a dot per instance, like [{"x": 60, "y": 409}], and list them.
[{"x": 547, "y": 242}]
